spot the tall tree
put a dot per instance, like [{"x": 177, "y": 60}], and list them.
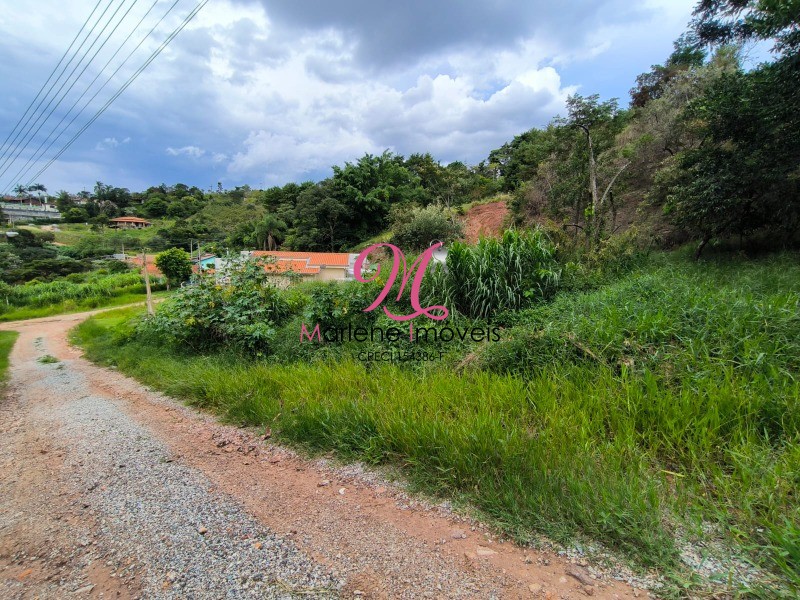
[
  {"x": 268, "y": 231},
  {"x": 725, "y": 21},
  {"x": 588, "y": 115}
]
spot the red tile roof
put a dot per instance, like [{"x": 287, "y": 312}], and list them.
[
  {"x": 129, "y": 220},
  {"x": 152, "y": 269},
  {"x": 296, "y": 266},
  {"x": 314, "y": 259}
]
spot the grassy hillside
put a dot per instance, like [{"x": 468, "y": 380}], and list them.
[{"x": 70, "y": 234}]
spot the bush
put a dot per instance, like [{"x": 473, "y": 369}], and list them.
[
  {"x": 242, "y": 314},
  {"x": 615, "y": 257},
  {"x": 417, "y": 229},
  {"x": 337, "y": 305}
]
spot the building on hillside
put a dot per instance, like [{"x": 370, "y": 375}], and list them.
[
  {"x": 129, "y": 223},
  {"x": 318, "y": 266}
]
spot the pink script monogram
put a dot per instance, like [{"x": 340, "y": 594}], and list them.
[{"x": 436, "y": 312}]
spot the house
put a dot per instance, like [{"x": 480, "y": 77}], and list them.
[
  {"x": 136, "y": 261},
  {"x": 129, "y": 223},
  {"x": 206, "y": 262},
  {"x": 318, "y": 266}
]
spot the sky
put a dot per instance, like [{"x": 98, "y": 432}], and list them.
[{"x": 266, "y": 92}]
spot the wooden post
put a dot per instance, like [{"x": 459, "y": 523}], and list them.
[{"x": 149, "y": 302}]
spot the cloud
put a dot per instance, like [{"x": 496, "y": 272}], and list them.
[
  {"x": 281, "y": 90},
  {"x": 192, "y": 151},
  {"x": 392, "y": 34},
  {"x": 110, "y": 143}
]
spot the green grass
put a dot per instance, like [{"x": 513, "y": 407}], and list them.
[
  {"x": 70, "y": 234},
  {"x": 7, "y": 340},
  {"x": 660, "y": 410},
  {"x": 73, "y": 306}
]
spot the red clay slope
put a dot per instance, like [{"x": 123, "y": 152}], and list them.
[{"x": 484, "y": 220}]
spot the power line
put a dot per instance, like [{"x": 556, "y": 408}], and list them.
[
  {"x": 130, "y": 80},
  {"x": 29, "y": 137},
  {"x": 44, "y": 85},
  {"x": 38, "y": 153},
  {"x": 63, "y": 70}
]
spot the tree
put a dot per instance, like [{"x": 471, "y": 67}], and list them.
[
  {"x": 268, "y": 230},
  {"x": 64, "y": 201},
  {"x": 589, "y": 114},
  {"x": 175, "y": 264},
  {"x": 651, "y": 85},
  {"x": 737, "y": 21},
  {"x": 742, "y": 177},
  {"x": 39, "y": 188},
  {"x": 155, "y": 207},
  {"x": 417, "y": 229}
]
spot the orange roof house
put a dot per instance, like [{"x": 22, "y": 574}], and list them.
[
  {"x": 129, "y": 223},
  {"x": 152, "y": 269},
  {"x": 322, "y": 266}
]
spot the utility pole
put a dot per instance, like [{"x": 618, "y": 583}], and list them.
[{"x": 149, "y": 301}]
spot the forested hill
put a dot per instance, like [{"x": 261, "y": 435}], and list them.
[{"x": 705, "y": 150}]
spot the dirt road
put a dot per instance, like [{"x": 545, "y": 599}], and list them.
[{"x": 110, "y": 490}]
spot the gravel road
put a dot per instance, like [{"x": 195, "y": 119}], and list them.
[{"x": 110, "y": 490}]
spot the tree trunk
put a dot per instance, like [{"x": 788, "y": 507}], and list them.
[
  {"x": 593, "y": 189},
  {"x": 702, "y": 245}
]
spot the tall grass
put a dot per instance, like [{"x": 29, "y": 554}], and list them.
[
  {"x": 69, "y": 294},
  {"x": 496, "y": 275},
  {"x": 657, "y": 411},
  {"x": 42, "y": 294}
]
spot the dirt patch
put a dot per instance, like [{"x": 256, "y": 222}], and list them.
[{"x": 485, "y": 220}]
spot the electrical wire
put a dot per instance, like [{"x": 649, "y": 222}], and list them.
[
  {"x": 125, "y": 86},
  {"x": 38, "y": 153},
  {"x": 44, "y": 85},
  {"x": 63, "y": 70},
  {"x": 31, "y": 134}
]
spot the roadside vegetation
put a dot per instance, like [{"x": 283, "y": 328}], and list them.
[
  {"x": 7, "y": 340},
  {"x": 38, "y": 278},
  {"x": 653, "y": 413}
]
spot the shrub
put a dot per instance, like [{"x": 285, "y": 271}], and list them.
[
  {"x": 417, "y": 229},
  {"x": 338, "y": 305},
  {"x": 496, "y": 275},
  {"x": 241, "y": 313}
]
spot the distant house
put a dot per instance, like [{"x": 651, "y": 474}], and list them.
[
  {"x": 319, "y": 266},
  {"x": 136, "y": 261},
  {"x": 129, "y": 223},
  {"x": 206, "y": 262}
]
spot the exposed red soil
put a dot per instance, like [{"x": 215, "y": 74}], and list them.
[{"x": 485, "y": 220}]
